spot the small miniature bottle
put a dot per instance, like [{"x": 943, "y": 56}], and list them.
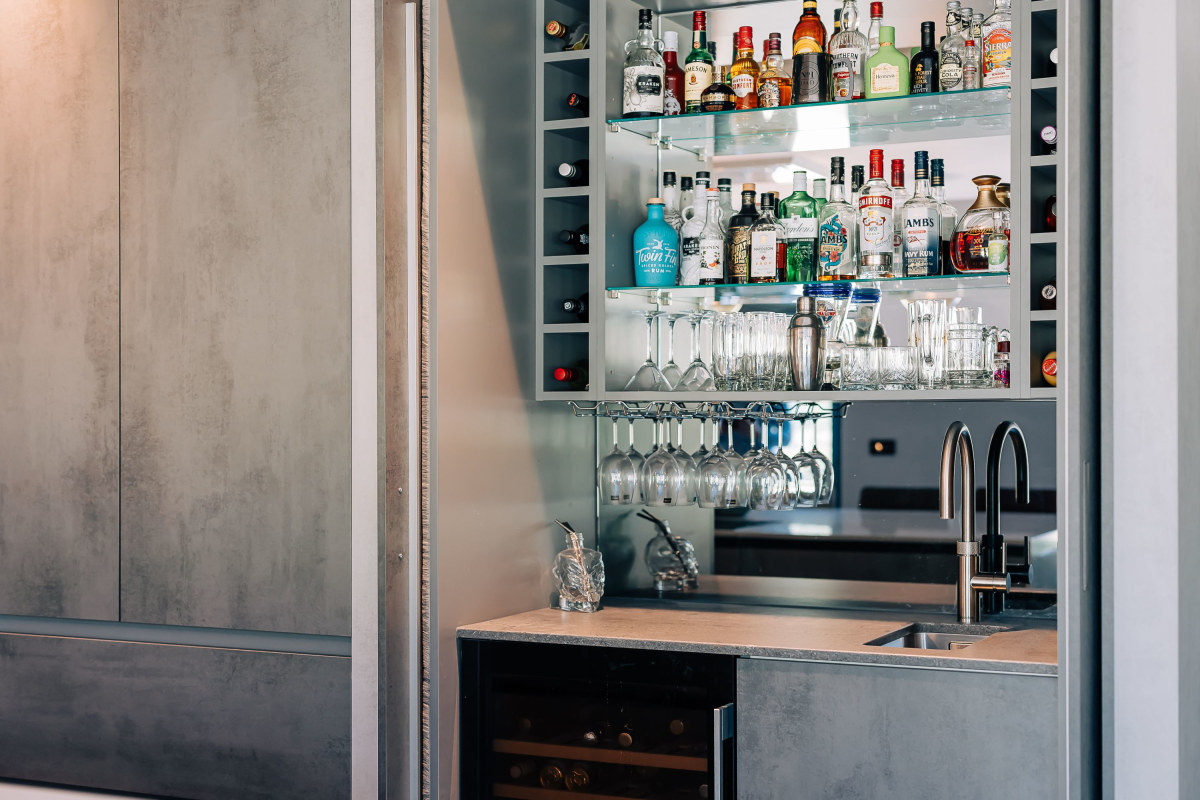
[
  {"x": 1001, "y": 376},
  {"x": 578, "y": 574}
]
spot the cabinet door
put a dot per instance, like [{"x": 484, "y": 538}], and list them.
[
  {"x": 235, "y": 314},
  {"x": 822, "y": 730},
  {"x": 58, "y": 309}
]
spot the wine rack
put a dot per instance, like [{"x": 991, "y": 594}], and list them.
[{"x": 553, "y": 721}]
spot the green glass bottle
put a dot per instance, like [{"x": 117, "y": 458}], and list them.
[
  {"x": 887, "y": 70},
  {"x": 698, "y": 69},
  {"x": 798, "y": 213}
]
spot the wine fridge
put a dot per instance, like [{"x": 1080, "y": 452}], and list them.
[{"x": 541, "y": 722}]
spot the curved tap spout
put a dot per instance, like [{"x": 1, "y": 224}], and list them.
[
  {"x": 1006, "y": 430},
  {"x": 958, "y": 438}
]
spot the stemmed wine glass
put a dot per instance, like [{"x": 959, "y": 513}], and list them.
[
  {"x": 616, "y": 476},
  {"x": 662, "y": 480},
  {"x": 811, "y": 472},
  {"x": 649, "y": 377},
  {"x": 827, "y": 477},
  {"x": 716, "y": 478},
  {"x": 765, "y": 483},
  {"x": 791, "y": 474},
  {"x": 737, "y": 494},
  {"x": 672, "y": 372},
  {"x": 699, "y": 377},
  {"x": 686, "y": 462},
  {"x": 637, "y": 458}
]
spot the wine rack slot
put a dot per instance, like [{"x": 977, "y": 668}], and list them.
[
  {"x": 538, "y": 793},
  {"x": 567, "y": 146},
  {"x": 1042, "y": 186},
  {"x": 631, "y": 758},
  {"x": 562, "y": 284},
  {"x": 563, "y": 78},
  {"x": 565, "y": 231},
  {"x": 567, "y": 12},
  {"x": 563, "y": 351}
]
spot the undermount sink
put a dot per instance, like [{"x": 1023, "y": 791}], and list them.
[{"x": 936, "y": 636}]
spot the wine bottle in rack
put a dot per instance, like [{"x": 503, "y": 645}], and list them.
[
  {"x": 523, "y": 770},
  {"x": 1049, "y": 140},
  {"x": 574, "y": 172},
  {"x": 574, "y": 37},
  {"x": 577, "y": 306},
  {"x": 576, "y": 375},
  {"x": 578, "y": 102},
  {"x": 577, "y": 238}
]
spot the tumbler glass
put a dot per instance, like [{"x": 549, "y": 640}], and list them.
[
  {"x": 966, "y": 356},
  {"x": 860, "y": 368},
  {"x": 897, "y": 367}
]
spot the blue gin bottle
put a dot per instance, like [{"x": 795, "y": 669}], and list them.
[{"x": 655, "y": 249}]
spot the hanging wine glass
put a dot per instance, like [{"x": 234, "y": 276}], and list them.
[
  {"x": 671, "y": 371},
  {"x": 716, "y": 478},
  {"x": 827, "y": 476},
  {"x": 686, "y": 462},
  {"x": 637, "y": 458},
  {"x": 791, "y": 474},
  {"x": 648, "y": 378},
  {"x": 616, "y": 476},
  {"x": 699, "y": 377},
  {"x": 764, "y": 479},
  {"x": 737, "y": 496},
  {"x": 662, "y": 480},
  {"x": 811, "y": 471}
]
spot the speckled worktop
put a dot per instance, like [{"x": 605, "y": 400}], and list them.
[{"x": 774, "y": 633}]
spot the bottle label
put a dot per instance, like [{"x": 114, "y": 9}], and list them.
[
  {"x": 809, "y": 87},
  {"x": 997, "y": 56},
  {"x": 689, "y": 261},
  {"x": 885, "y": 78},
  {"x": 920, "y": 242},
  {"x": 806, "y": 44},
  {"x": 951, "y": 72},
  {"x": 643, "y": 90},
  {"x": 1050, "y": 291},
  {"x": 769, "y": 95},
  {"x": 739, "y": 255},
  {"x": 656, "y": 262},
  {"x": 997, "y": 252},
  {"x": 920, "y": 80},
  {"x": 844, "y": 70},
  {"x": 697, "y": 76},
  {"x": 762, "y": 254},
  {"x": 672, "y": 106},
  {"x": 876, "y": 232},
  {"x": 712, "y": 254},
  {"x": 800, "y": 228},
  {"x": 832, "y": 243},
  {"x": 742, "y": 84}
]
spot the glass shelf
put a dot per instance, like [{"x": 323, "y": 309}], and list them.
[
  {"x": 781, "y": 292},
  {"x": 829, "y": 126}
]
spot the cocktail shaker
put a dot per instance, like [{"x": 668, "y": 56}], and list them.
[{"x": 806, "y": 346}]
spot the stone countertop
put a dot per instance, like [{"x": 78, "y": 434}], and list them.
[{"x": 775, "y": 633}]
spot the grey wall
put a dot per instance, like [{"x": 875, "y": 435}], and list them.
[
  {"x": 235, "y": 342},
  {"x": 503, "y": 466},
  {"x": 58, "y": 309}
]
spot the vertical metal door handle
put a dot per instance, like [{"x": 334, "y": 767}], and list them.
[{"x": 722, "y": 730}]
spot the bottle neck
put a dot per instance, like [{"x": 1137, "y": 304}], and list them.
[
  {"x": 800, "y": 182},
  {"x": 700, "y": 40},
  {"x": 938, "y": 193},
  {"x": 837, "y": 192},
  {"x": 921, "y": 187},
  {"x": 645, "y": 38},
  {"x": 926, "y": 40},
  {"x": 654, "y": 211},
  {"x": 671, "y": 197},
  {"x": 670, "y": 58},
  {"x": 748, "y": 203},
  {"x": 850, "y": 15}
]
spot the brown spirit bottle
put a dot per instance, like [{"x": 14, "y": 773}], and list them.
[
  {"x": 744, "y": 72},
  {"x": 809, "y": 34},
  {"x": 774, "y": 85},
  {"x": 737, "y": 239},
  {"x": 719, "y": 95}
]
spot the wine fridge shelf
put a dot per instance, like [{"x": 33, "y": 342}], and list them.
[
  {"x": 968, "y": 114},
  {"x": 538, "y": 793},
  {"x": 601, "y": 755}
]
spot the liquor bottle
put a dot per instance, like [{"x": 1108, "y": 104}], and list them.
[
  {"x": 971, "y": 63},
  {"x": 774, "y": 85},
  {"x": 765, "y": 237},
  {"x": 1003, "y": 192},
  {"x": 997, "y": 242},
  {"x": 857, "y": 179},
  {"x": 924, "y": 73},
  {"x": 887, "y": 70},
  {"x": 950, "y": 52},
  {"x": 577, "y": 306},
  {"x": 873, "y": 30},
  {"x": 947, "y": 214},
  {"x": 1048, "y": 297},
  {"x": 737, "y": 240},
  {"x": 810, "y": 78},
  {"x": 522, "y": 770},
  {"x": 574, "y": 37},
  {"x": 1001, "y": 368},
  {"x": 673, "y": 81},
  {"x": 997, "y": 46},
  {"x": 719, "y": 96},
  {"x": 799, "y": 215},
  {"x": 837, "y": 20},
  {"x": 744, "y": 72},
  {"x": 655, "y": 249},
  {"x": 837, "y": 252},
  {"x": 670, "y": 196},
  {"x": 1049, "y": 140},
  {"x": 1052, "y": 65},
  {"x": 687, "y": 194},
  {"x": 691, "y": 262},
  {"x": 970, "y": 248},
  {"x": 818, "y": 195},
  {"x": 1052, "y": 213},
  {"x": 644, "y": 72},
  {"x": 900, "y": 196},
  {"x": 922, "y": 224},
  {"x": 552, "y": 775},
  {"x": 875, "y": 229},
  {"x": 698, "y": 72},
  {"x": 725, "y": 185},
  {"x": 809, "y": 34},
  {"x": 577, "y": 238},
  {"x": 574, "y": 172},
  {"x": 849, "y": 53},
  {"x": 578, "y": 103},
  {"x": 712, "y": 242},
  {"x": 576, "y": 375},
  {"x": 697, "y": 199}
]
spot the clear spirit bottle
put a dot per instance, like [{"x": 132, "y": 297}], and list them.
[
  {"x": 670, "y": 196},
  {"x": 687, "y": 196},
  {"x": 921, "y": 223},
  {"x": 876, "y": 231},
  {"x": 798, "y": 213},
  {"x": 725, "y": 185},
  {"x": 947, "y": 214},
  {"x": 644, "y": 73},
  {"x": 818, "y": 194},
  {"x": 848, "y": 49},
  {"x": 952, "y": 50},
  {"x": 836, "y": 245},
  {"x": 998, "y": 46},
  {"x": 873, "y": 30},
  {"x": 712, "y": 242},
  {"x": 900, "y": 196},
  {"x": 766, "y": 236},
  {"x": 691, "y": 260}
]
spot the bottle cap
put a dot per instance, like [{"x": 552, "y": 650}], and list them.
[
  {"x": 926, "y": 31},
  {"x": 876, "y": 164},
  {"x": 745, "y": 38},
  {"x": 725, "y": 182},
  {"x": 685, "y": 183},
  {"x": 555, "y": 28},
  {"x": 668, "y": 178},
  {"x": 562, "y": 374},
  {"x": 670, "y": 41},
  {"x": 714, "y": 192},
  {"x": 699, "y": 20},
  {"x": 897, "y": 172},
  {"x": 921, "y": 164},
  {"x": 877, "y": 10},
  {"x": 1003, "y": 347},
  {"x": 1050, "y": 134},
  {"x": 887, "y": 35},
  {"x": 1054, "y": 56},
  {"x": 655, "y": 201},
  {"x": 645, "y": 18},
  {"x": 703, "y": 174},
  {"x": 749, "y": 187},
  {"x": 566, "y": 170}
]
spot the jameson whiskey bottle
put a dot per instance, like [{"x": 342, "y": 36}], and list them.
[
  {"x": 737, "y": 240},
  {"x": 698, "y": 69}
]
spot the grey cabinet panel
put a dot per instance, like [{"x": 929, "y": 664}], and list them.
[
  {"x": 58, "y": 309},
  {"x": 235, "y": 314},
  {"x": 832, "y": 731},
  {"x": 193, "y": 722}
]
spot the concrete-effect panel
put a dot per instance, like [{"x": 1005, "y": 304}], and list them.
[
  {"x": 196, "y": 722},
  {"x": 58, "y": 309},
  {"x": 235, "y": 314},
  {"x": 818, "y": 730}
]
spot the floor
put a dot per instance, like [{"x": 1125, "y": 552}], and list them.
[{"x": 10, "y": 791}]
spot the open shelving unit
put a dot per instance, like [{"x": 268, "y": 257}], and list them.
[{"x": 627, "y": 156}]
